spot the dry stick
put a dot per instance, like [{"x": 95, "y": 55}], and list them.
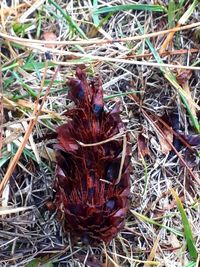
[
  {"x": 36, "y": 113},
  {"x": 97, "y": 41}
]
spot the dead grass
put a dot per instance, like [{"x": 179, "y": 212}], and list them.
[{"x": 155, "y": 233}]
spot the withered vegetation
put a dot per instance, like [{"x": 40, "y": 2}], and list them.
[{"x": 151, "y": 67}]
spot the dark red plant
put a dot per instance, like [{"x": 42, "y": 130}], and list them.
[{"x": 93, "y": 172}]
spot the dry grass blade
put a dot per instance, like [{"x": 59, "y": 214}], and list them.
[
  {"x": 32, "y": 9},
  {"x": 9, "y": 210},
  {"x": 24, "y": 41},
  {"x": 102, "y": 142},
  {"x": 27, "y": 134},
  {"x": 153, "y": 251},
  {"x": 88, "y": 58},
  {"x": 154, "y": 263},
  {"x": 27, "y": 104},
  {"x": 122, "y": 159},
  {"x": 166, "y": 53}
]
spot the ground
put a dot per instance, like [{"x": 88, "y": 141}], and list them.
[{"x": 154, "y": 72}]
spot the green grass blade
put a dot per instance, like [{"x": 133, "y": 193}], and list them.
[
  {"x": 31, "y": 66},
  {"x": 54, "y": 14},
  {"x": 171, "y": 13},
  {"x": 95, "y": 16},
  {"x": 151, "y": 221},
  {"x": 105, "y": 19},
  {"x": 8, "y": 82},
  {"x": 39, "y": 24},
  {"x": 191, "y": 264},
  {"x": 24, "y": 85},
  {"x": 16, "y": 64},
  {"x": 68, "y": 19},
  {"x": 181, "y": 3},
  {"x": 37, "y": 70},
  {"x": 142, "y": 7},
  {"x": 38, "y": 263},
  {"x": 20, "y": 28},
  {"x": 187, "y": 229},
  {"x": 192, "y": 117},
  {"x": 4, "y": 159},
  {"x": 197, "y": 62}
]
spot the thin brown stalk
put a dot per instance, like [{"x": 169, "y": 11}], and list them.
[
  {"x": 166, "y": 53},
  {"x": 96, "y": 41}
]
